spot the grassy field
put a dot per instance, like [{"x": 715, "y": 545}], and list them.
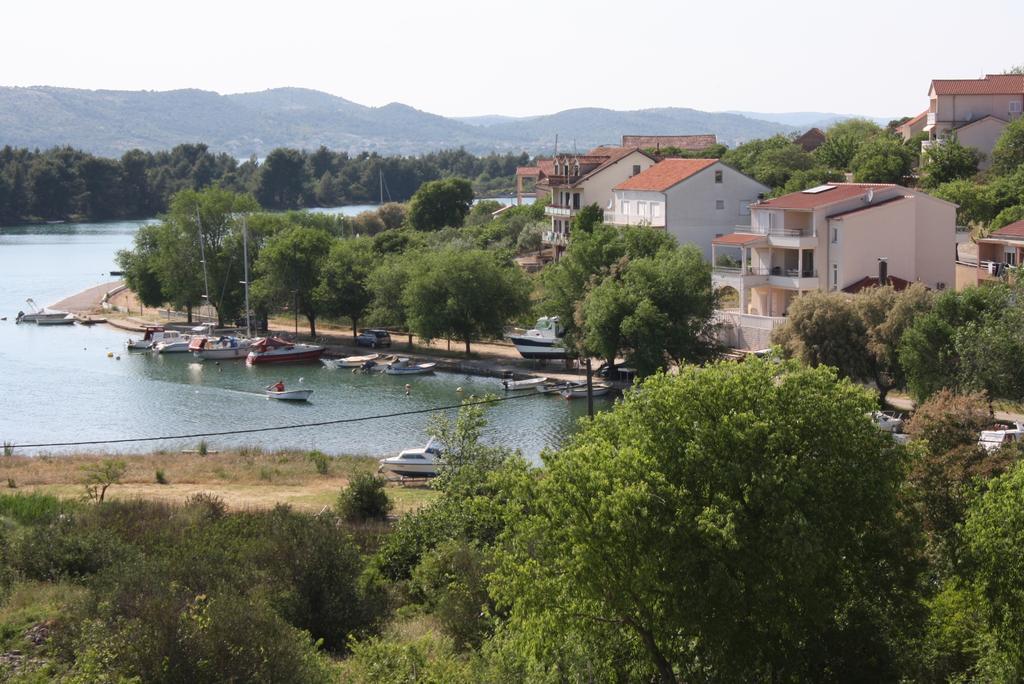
[{"x": 243, "y": 478}]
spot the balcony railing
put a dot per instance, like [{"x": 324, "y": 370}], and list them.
[
  {"x": 793, "y": 272},
  {"x": 740, "y": 270},
  {"x": 775, "y": 230},
  {"x": 633, "y": 220},
  {"x": 550, "y": 237},
  {"x": 558, "y": 210}
]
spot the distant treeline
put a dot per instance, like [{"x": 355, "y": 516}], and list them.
[{"x": 65, "y": 183}]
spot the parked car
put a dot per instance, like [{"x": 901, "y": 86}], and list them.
[
  {"x": 993, "y": 439},
  {"x": 373, "y": 338},
  {"x": 620, "y": 374}
]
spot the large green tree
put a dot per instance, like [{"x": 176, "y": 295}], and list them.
[
  {"x": 439, "y": 204},
  {"x": 464, "y": 294},
  {"x": 281, "y": 183},
  {"x": 1008, "y": 153},
  {"x": 289, "y": 270},
  {"x": 344, "y": 289},
  {"x": 882, "y": 159},
  {"x": 737, "y": 522},
  {"x": 948, "y": 160}
]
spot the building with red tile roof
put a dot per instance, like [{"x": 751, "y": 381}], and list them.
[
  {"x": 832, "y": 238},
  {"x": 908, "y": 129},
  {"x": 811, "y": 140},
  {"x": 999, "y": 253},
  {"x": 694, "y": 143},
  {"x": 976, "y": 110},
  {"x": 693, "y": 199}
]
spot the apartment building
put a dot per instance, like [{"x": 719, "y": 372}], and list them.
[
  {"x": 999, "y": 253},
  {"x": 975, "y": 110},
  {"x": 693, "y": 199}
]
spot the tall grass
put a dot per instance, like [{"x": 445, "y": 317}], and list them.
[{"x": 31, "y": 508}]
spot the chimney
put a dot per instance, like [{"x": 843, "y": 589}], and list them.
[{"x": 883, "y": 271}]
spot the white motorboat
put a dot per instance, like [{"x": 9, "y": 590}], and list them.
[
  {"x": 405, "y": 367},
  {"x": 598, "y": 389},
  {"x": 289, "y": 395},
  {"x": 277, "y": 350},
  {"x": 522, "y": 384},
  {"x": 56, "y": 319},
  {"x": 173, "y": 342},
  {"x": 542, "y": 342},
  {"x": 37, "y": 315},
  {"x": 151, "y": 334},
  {"x": 888, "y": 421},
  {"x": 225, "y": 347},
  {"x": 991, "y": 440},
  {"x": 422, "y": 462},
  {"x": 349, "y": 361},
  {"x": 557, "y": 387}
]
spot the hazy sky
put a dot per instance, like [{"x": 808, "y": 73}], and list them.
[{"x": 458, "y": 57}]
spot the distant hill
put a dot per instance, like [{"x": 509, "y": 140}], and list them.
[
  {"x": 805, "y": 120},
  {"x": 109, "y": 122}
]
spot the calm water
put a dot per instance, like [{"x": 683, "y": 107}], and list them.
[{"x": 61, "y": 386}]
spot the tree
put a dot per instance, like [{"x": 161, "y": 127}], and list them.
[
  {"x": 100, "y": 476},
  {"x": 948, "y": 421},
  {"x": 140, "y": 267},
  {"x": 282, "y": 179},
  {"x": 948, "y": 160},
  {"x": 882, "y": 159},
  {"x": 1007, "y": 216},
  {"x": 586, "y": 218},
  {"x": 289, "y": 269},
  {"x": 364, "y": 499},
  {"x": 440, "y": 203},
  {"x": 976, "y": 204},
  {"x": 1008, "y": 153},
  {"x": 464, "y": 295},
  {"x": 737, "y": 522},
  {"x": 387, "y": 283},
  {"x": 838, "y": 150},
  {"x": 655, "y": 309},
  {"x": 343, "y": 288}
]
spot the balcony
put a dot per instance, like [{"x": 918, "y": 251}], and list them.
[
  {"x": 550, "y": 237},
  {"x": 559, "y": 211},
  {"x": 738, "y": 277},
  {"x": 776, "y": 230},
  {"x": 617, "y": 219},
  {"x": 931, "y": 119},
  {"x": 793, "y": 279}
]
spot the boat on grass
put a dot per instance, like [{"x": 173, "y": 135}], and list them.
[
  {"x": 219, "y": 348},
  {"x": 541, "y": 342},
  {"x": 598, "y": 389},
  {"x": 277, "y": 350},
  {"x": 421, "y": 462},
  {"x": 349, "y": 361},
  {"x": 528, "y": 383},
  {"x": 404, "y": 366}
]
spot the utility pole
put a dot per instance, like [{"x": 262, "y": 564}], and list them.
[{"x": 590, "y": 390}]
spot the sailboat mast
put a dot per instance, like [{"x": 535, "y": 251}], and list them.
[
  {"x": 245, "y": 262},
  {"x": 202, "y": 258},
  {"x": 380, "y": 176}
]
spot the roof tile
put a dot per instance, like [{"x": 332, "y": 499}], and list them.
[
  {"x": 665, "y": 174},
  {"x": 991, "y": 84},
  {"x": 806, "y": 200}
]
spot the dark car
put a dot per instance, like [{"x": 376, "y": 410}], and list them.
[
  {"x": 620, "y": 374},
  {"x": 373, "y": 338}
]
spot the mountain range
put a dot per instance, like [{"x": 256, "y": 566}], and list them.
[{"x": 110, "y": 122}]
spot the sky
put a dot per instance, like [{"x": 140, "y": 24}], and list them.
[{"x": 465, "y": 58}]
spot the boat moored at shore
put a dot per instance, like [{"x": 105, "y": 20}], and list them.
[
  {"x": 405, "y": 367},
  {"x": 225, "y": 347},
  {"x": 278, "y": 350},
  {"x": 349, "y": 361}
]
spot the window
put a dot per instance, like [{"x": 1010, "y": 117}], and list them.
[
  {"x": 1015, "y": 106},
  {"x": 719, "y": 204},
  {"x": 636, "y": 169},
  {"x": 835, "y": 235},
  {"x": 718, "y": 176},
  {"x": 655, "y": 209},
  {"x": 835, "y": 276},
  {"x": 641, "y": 209},
  {"x": 625, "y": 207},
  {"x": 1011, "y": 258},
  {"x": 576, "y": 200}
]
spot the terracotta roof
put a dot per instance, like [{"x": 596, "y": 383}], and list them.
[
  {"x": 869, "y": 281},
  {"x": 737, "y": 239},
  {"x": 665, "y": 174},
  {"x": 806, "y": 200},
  {"x": 546, "y": 166},
  {"x": 1012, "y": 230},
  {"x": 683, "y": 142},
  {"x": 869, "y": 207},
  {"x": 527, "y": 170},
  {"x": 916, "y": 119},
  {"x": 991, "y": 84}
]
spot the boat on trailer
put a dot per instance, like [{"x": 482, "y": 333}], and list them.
[
  {"x": 414, "y": 463},
  {"x": 544, "y": 341}
]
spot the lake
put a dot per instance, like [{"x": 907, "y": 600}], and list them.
[{"x": 61, "y": 385}]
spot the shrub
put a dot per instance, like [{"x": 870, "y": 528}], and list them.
[
  {"x": 321, "y": 461},
  {"x": 32, "y": 508},
  {"x": 948, "y": 420},
  {"x": 99, "y": 476},
  {"x": 63, "y": 550},
  {"x": 364, "y": 499},
  {"x": 450, "y": 580},
  {"x": 211, "y": 505},
  {"x": 202, "y": 448},
  {"x": 161, "y": 478}
]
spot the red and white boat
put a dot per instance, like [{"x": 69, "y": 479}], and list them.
[
  {"x": 217, "y": 348},
  {"x": 276, "y": 350}
]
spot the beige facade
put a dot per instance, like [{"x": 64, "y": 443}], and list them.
[
  {"x": 816, "y": 241},
  {"x": 975, "y": 110}
]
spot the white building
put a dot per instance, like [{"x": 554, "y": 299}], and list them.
[{"x": 695, "y": 200}]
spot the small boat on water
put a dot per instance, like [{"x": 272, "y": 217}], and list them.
[
  {"x": 150, "y": 336},
  {"x": 405, "y": 367},
  {"x": 510, "y": 385},
  {"x": 422, "y": 462},
  {"x": 598, "y": 389},
  {"x": 349, "y": 361},
  {"x": 60, "y": 319},
  {"x": 173, "y": 342},
  {"x": 556, "y": 387},
  {"x": 277, "y": 350},
  {"x": 219, "y": 348},
  {"x": 541, "y": 342},
  {"x": 41, "y": 316},
  {"x": 289, "y": 395}
]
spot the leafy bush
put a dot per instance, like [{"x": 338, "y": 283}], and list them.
[
  {"x": 32, "y": 508},
  {"x": 450, "y": 580},
  {"x": 364, "y": 499},
  {"x": 161, "y": 477},
  {"x": 321, "y": 461},
  {"x": 63, "y": 550}
]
